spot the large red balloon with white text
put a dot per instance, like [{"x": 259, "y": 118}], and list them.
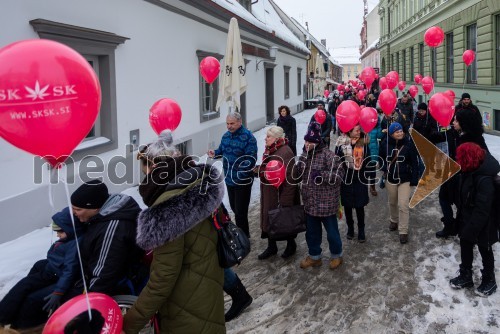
[
  {"x": 442, "y": 108},
  {"x": 347, "y": 115},
  {"x": 387, "y": 101},
  {"x": 392, "y": 79},
  {"x": 275, "y": 173},
  {"x": 49, "y": 98},
  {"x": 165, "y": 114},
  {"x": 368, "y": 119},
  {"x": 77, "y": 306},
  {"x": 427, "y": 84},
  {"x": 434, "y": 36}
]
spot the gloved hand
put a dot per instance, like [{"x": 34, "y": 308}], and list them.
[{"x": 53, "y": 302}]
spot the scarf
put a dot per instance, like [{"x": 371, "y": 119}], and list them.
[
  {"x": 353, "y": 153},
  {"x": 273, "y": 148},
  {"x": 155, "y": 183}
]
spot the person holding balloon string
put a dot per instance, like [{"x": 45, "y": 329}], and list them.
[
  {"x": 320, "y": 117},
  {"x": 186, "y": 281},
  {"x": 278, "y": 191},
  {"x": 405, "y": 107},
  {"x": 354, "y": 152}
]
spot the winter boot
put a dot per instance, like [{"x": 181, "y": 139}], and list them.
[
  {"x": 241, "y": 300},
  {"x": 361, "y": 233},
  {"x": 463, "y": 280},
  {"x": 350, "y": 230},
  {"x": 272, "y": 249},
  {"x": 291, "y": 248},
  {"x": 488, "y": 284},
  {"x": 449, "y": 229}
]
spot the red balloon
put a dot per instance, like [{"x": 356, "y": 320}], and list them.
[
  {"x": 347, "y": 115},
  {"x": 106, "y": 305},
  {"x": 401, "y": 85},
  {"x": 354, "y": 83},
  {"x": 450, "y": 94},
  {"x": 418, "y": 78},
  {"x": 427, "y": 84},
  {"x": 320, "y": 116},
  {"x": 368, "y": 119},
  {"x": 368, "y": 76},
  {"x": 387, "y": 100},
  {"x": 275, "y": 173},
  {"x": 468, "y": 57},
  {"x": 340, "y": 87},
  {"x": 392, "y": 79},
  {"x": 49, "y": 98},
  {"x": 413, "y": 90},
  {"x": 209, "y": 69},
  {"x": 165, "y": 114},
  {"x": 361, "y": 95},
  {"x": 434, "y": 36},
  {"x": 441, "y": 108},
  {"x": 383, "y": 83},
  {"x": 326, "y": 93}
]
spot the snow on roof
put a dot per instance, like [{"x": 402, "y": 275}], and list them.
[
  {"x": 347, "y": 55},
  {"x": 313, "y": 40},
  {"x": 264, "y": 16},
  {"x": 371, "y": 47}
]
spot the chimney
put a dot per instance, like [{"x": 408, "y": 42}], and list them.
[
  {"x": 323, "y": 41},
  {"x": 307, "y": 26}
]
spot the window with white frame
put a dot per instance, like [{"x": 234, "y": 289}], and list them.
[
  {"x": 472, "y": 45},
  {"x": 208, "y": 92},
  {"x": 450, "y": 66},
  {"x": 98, "y": 47}
]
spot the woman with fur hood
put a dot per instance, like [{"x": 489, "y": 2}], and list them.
[
  {"x": 185, "y": 283},
  {"x": 354, "y": 151}
]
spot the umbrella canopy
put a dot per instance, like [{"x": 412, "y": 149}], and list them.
[{"x": 232, "y": 77}]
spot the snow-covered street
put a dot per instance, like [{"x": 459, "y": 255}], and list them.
[{"x": 382, "y": 286}]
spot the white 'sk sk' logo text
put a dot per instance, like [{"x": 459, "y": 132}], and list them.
[{"x": 38, "y": 93}]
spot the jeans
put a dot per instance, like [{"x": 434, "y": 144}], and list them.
[
  {"x": 467, "y": 255},
  {"x": 314, "y": 235},
  {"x": 230, "y": 279},
  {"x": 239, "y": 200}
]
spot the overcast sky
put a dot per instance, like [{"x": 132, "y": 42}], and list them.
[{"x": 339, "y": 21}]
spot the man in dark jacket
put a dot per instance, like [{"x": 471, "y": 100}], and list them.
[
  {"x": 427, "y": 126},
  {"x": 238, "y": 148},
  {"x": 466, "y": 103},
  {"x": 405, "y": 106},
  {"x": 109, "y": 247}
]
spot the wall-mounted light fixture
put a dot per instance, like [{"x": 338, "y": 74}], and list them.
[{"x": 272, "y": 56}]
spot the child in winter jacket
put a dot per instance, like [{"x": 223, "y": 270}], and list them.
[{"x": 35, "y": 297}]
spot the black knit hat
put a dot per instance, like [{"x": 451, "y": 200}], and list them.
[
  {"x": 465, "y": 96},
  {"x": 313, "y": 134},
  {"x": 90, "y": 195},
  {"x": 422, "y": 106}
]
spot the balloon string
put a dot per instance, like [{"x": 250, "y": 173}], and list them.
[
  {"x": 465, "y": 77},
  {"x": 51, "y": 197},
  {"x": 77, "y": 247}
]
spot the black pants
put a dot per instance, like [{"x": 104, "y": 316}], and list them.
[
  {"x": 360, "y": 214},
  {"x": 467, "y": 255},
  {"x": 22, "y": 306},
  {"x": 239, "y": 200}
]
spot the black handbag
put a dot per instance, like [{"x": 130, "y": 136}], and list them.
[
  {"x": 286, "y": 221},
  {"x": 233, "y": 244}
]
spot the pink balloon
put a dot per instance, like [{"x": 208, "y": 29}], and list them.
[
  {"x": 320, "y": 116},
  {"x": 441, "y": 108},
  {"x": 49, "y": 98},
  {"x": 165, "y": 114},
  {"x": 368, "y": 76},
  {"x": 401, "y": 85},
  {"x": 275, "y": 173},
  {"x": 427, "y": 84},
  {"x": 382, "y": 82},
  {"x": 106, "y": 305},
  {"x": 354, "y": 83},
  {"x": 340, "y": 87},
  {"x": 450, "y": 94},
  {"x": 326, "y": 93},
  {"x": 368, "y": 119},
  {"x": 418, "y": 78},
  {"x": 361, "y": 95},
  {"x": 209, "y": 69},
  {"x": 392, "y": 79},
  {"x": 387, "y": 100},
  {"x": 348, "y": 113},
  {"x": 434, "y": 36},
  {"x": 468, "y": 57},
  {"x": 413, "y": 90}
]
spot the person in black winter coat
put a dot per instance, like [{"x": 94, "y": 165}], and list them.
[
  {"x": 326, "y": 127},
  {"x": 34, "y": 297},
  {"x": 332, "y": 110},
  {"x": 465, "y": 103},
  {"x": 405, "y": 106},
  {"x": 109, "y": 247},
  {"x": 289, "y": 125},
  {"x": 466, "y": 128},
  {"x": 395, "y": 117},
  {"x": 476, "y": 226},
  {"x": 427, "y": 126}
]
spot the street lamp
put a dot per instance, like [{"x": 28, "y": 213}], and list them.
[{"x": 272, "y": 56}]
